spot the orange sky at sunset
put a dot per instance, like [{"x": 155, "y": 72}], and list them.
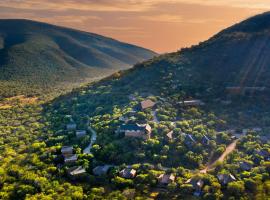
[{"x": 160, "y": 25}]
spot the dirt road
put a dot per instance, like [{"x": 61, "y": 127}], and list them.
[{"x": 229, "y": 149}]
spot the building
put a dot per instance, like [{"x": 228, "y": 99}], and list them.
[
  {"x": 224, "y": 179},
  {"x": 67, "y": 150},
  {"x": 147, "y": 104},
  {"x": 123, "y": 119},
  {"x": 257, "y": 129},
  {"x": 169, "y": 136},
  {"x": 128, "y": 173},
  {"x": 165, "y": 179},
  {"x": 245, "y": 166},
  {"x": 70, "y": 158},
  {"x": 192, "y": 103},
  {"x": 245, "y": 131},
  {"x": 76, "y": 171},
  {"x": 205, "y": 140},
  {"x": 132, "y": 97},
  {"x": 80, "y": 133},
  {"x": 264, "y": 139},
  {"x": 102, "y": 170},
  {"x": 136, "y": 130},
  {"x": 71, "y": 127},
  {"x": 263, "y": 153},
  {"x": 197, "y": 185},
  {"x": 189, "y": 140}
]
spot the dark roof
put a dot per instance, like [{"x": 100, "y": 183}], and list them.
[
  {"x": 101, "y": 170},
  {"x": 77, "y": 170},
  {"x": 128, "y": 173},
  {"x": 134, "y": 127},
  {"x": 226, "y": 178},
  {"x": 196, "y": 183},
  {"x": 245, "y": 166},
  {"x": 263, "y": 153},
  {"x": 205, "y": 139},
  {"x": 190, "y": 138}
]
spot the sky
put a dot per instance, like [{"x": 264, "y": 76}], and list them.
[{"x": 160, "y": 25}]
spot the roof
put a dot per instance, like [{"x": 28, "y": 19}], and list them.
[
  {"x": 147, "y": 104},
  {"x": 192, "y": 102},
  {"x": 226, "y": 178},
  {"x": 195, "y": 182},
  {"x": 101, "y": 170},
  {"x": 190, "y": 138},
  {"x": 263, "y": 153},
  {"x": 71, "y": 126},
  {"x": 80, "y": 132},
  {"x": 245, "y": 166},
  {"x": 205, "y": 139},
  {"x": 66, "y": 149},
  {"x": 77, "y": 171},
  {"x": 71, "y": 157},
  {"x": 128, "y": 173},
  {"x": 166, "y": 178},
  {"x": 170, "y": 135},
  {"x": 135, "y": 127}
]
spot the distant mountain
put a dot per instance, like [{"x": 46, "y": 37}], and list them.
[{"x": 35, "y": 56}]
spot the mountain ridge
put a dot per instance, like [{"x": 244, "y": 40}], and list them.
[
  {"x": 35, "y": 54},
  {"x": 224, "y": 60}
]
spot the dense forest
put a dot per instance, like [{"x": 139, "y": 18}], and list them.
[{"x": 33, "y": 165}]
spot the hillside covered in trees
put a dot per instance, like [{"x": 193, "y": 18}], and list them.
[
  {"x": 188, "y": 125},
  {"x": 37, "y": 57}
]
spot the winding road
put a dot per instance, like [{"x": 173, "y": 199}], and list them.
[
  {"x": 229, "y": 149},
  {"x": 155, "y": 119},
  {"x": 87, "y": 150}
]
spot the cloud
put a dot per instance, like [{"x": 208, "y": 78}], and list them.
[
  {"x": 254, "y": 4},
  {"x": 173, "y": 18},
  {"x": 124, "y": 5},
  {"x": 164, "y": 18},
  {"x": 83, "y": 5},
  {"x": 115, "y": 28},
  {"x": 120, "y": 30},
  {"x": 74, "y": 19}
]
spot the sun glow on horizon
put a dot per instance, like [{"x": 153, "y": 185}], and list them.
[{"x": 160, "y": 25}]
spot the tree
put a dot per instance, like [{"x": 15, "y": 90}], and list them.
[{"x": 236, "y": 188}]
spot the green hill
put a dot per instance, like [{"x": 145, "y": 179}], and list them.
[
  {"x": 237, "y": 56},
  {"x": 35, "y": 56}
]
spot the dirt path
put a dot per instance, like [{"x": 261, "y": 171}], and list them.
[
  {"x": 155, "y": 119},
  {"x": 87, "y": 150},
  {"x": 229, "y": 149}
]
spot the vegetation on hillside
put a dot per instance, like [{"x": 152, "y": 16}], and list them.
[
  {"x": 37, "y": 57},
  {"x": 216, "y": 150}
]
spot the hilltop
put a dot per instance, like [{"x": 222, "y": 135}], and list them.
[{"x": 36, "y": 57}]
